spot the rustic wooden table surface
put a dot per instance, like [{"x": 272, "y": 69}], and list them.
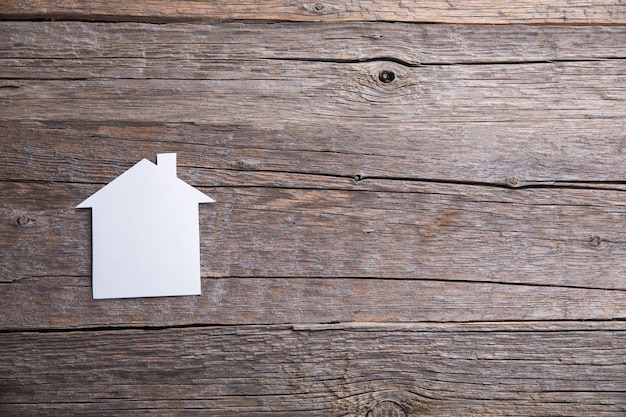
[{"x": 421, "y": 208}]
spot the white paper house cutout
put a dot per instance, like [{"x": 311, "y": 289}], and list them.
[{"x": 146, "y": 238}]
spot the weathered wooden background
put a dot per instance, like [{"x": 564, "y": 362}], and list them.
[{"x": 421, "y": 208}]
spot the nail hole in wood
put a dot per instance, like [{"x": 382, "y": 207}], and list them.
[
  {"x": 357, "y": 177},
  {"x": 318, "y": 7},
  {"x": 386, "y": 76},
  {"x": 596, "y": 240}
]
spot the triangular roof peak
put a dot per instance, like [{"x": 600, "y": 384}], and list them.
[{"x": 143, "y": 173}]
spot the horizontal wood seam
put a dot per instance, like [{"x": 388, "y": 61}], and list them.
[
  {"x": 409, "y": 326},
  {"x": 156, "y": 20},
  {"x": 348, "y": 278},
  {"x": 511, "y": 183},
  {"x": 381, "y": 59}
]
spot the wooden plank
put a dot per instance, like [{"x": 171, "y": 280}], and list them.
[
  {"x": 41, "y": 303},
  {"x": 93, "y": 45},
  {"x": 327, "y": 93},
  {"x": 433, "y": 370},
  {"x": 348, "y": 155},
  {"x": 440, "y": 11},
  {"x": 465, "y": 233},
  {"x": 549, "y": 122}
]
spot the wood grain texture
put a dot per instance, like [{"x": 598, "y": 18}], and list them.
[
  {"x": 510, "y": 154},
  {"x": 411, "y": 219},
  {"x": 343, "y": 42},
  {"x": 534, "y": 111},
  {"x": 234, "y": 301},
  {"x": 553, "y": 254},
  {"x": 426, "y": 370},
  {"x": 467, "y": 233},
  {"x": 439, "y": 11}
]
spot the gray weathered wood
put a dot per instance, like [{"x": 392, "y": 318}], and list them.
[
  {"x": 511, "y": 114},
  {"x": 468, "y": 233},
  {"x": 310, "y": 93},
  {"x": 65, "y": 302},
  {"x": 56, "y": 42},
  {"x": 564, "y": 245},
  {"x": 513, "y": 154},
  {"x": 410, "y": 219},
  {"x": 440, "y": 11},
  {"x": 428, "y": 370}
]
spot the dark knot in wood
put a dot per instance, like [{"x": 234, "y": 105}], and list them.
[
  {"x": 386, "y": 76},
  {"x": 387, "y": 408},
  {"x": 23, "y": 220}
]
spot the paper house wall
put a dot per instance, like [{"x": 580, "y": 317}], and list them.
[{"x": 145, "y": 233}]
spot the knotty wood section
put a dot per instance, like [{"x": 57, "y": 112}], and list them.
[
  {"x": 410, "y": 220},
  {"x": 438, "y": 11},
  {"x": 535, "y": 110}
]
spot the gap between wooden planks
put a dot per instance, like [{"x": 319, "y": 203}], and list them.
[{"x": 440, "y": 11}]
